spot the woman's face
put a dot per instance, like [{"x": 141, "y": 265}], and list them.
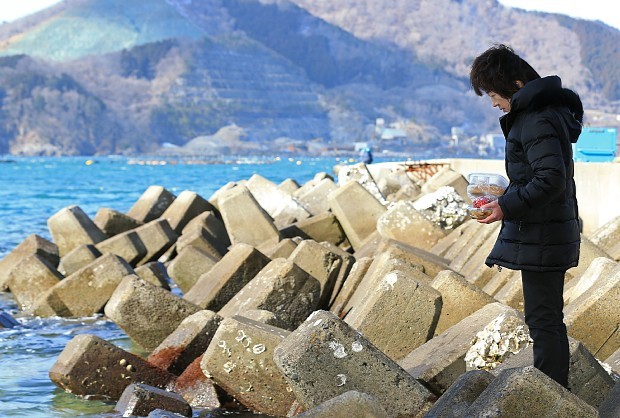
[{"x": 500, "y": 102}]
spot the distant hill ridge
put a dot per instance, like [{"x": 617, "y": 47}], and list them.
[{"x": 111, "y": 76}]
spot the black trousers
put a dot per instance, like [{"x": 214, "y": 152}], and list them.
[{"x": 542, "y": 294}]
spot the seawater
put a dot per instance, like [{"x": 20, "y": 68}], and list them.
[{"x": 32, "y": 190}]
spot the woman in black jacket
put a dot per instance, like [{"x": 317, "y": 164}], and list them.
[{"x": 540, "y": 233}]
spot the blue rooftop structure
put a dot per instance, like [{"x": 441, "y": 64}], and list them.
[{"x": 596, "y": 145}]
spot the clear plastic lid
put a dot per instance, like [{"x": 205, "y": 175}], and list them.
[{"x": 488, "y": 178}]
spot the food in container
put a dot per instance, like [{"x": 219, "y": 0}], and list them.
[
  {"x": 481, "y": 184},
  {"x": 478, "y": 213}
]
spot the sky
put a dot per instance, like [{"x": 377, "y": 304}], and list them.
[{"x": 603, "y": 10}]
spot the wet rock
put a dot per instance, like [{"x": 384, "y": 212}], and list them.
[
  {"x": 528, "y": 392},
  {"x": 459, "y": 298},
  {"x": 31, "y": 277},
  {"x": 357, "y": 211},
  {"x": 147, "y": 313},
  {"x": 92, "y": 367},
  {"x": 593, "y": 319},
  {"x": 71, "y": 227},
  {"x": 33, "y": 244},
  {"x": 342, "y": 406},
  {"x": 86, "y": 291},
  {"x": 245, "y": 220},
  {"x": 126, "y": 245},
  {"x": 184, "y": 208},
  {"x": 325, "y": 357},
  {"x": 151, "y": 204},
  {"x": 239, "y": 359},
  {"x": 189, "y": 265},
  {"x": 79, "y": 257},
  {"x": 460, "y": 395},
  {"x": 139, "y": 399},
  {"x": 227, "y": 277},
  {"x": 399, "y": 314},
  {"x": 186, "y": 343},
  {"x": 280, "y": 287},
  {"x": 113, "y": 222}
]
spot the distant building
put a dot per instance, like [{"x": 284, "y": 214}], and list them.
[{"x": 390, "y": 134}]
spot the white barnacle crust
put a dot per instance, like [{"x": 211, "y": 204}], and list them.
[
  {"x": 339, "y": 351},
  {"x": 389, "y": 281},
  {"x": 356, "y": 346},
  {"x": 259, "y": 348},
  {"x": 503, "y": 337},
  {"x": 341, "y": 379}
]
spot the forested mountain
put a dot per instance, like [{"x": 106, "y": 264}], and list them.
[{"x": 111, "y": 76}]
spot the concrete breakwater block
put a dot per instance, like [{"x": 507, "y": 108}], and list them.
[
  {"x": 593, "y": 317},
  {"x": 399, "y": 315},
  {"x": 139, "y": 399},
  {"x": 212, "y": 222},
  {"x": 607, "y": 236},
  {"x": 32, "y": 244},
  {"x": 459, "y": 298},
  {"x": 151, "y": 204},
  {"x": 218, "y": 285},
  {"x": 157, "y": 236},
  {"x": 240, "y": 360},
  {"x": 461, "y": 394},
  {"x": 324, "y": 358},
  {"x": 202, "y": 239},
  {"x": 186, "y": 343},
  {"x": 79, "y": 257},
  {"x": 279, "y": 204},
  {"x": 154, "y": 273},
  {"x": 90, "y": 366},
  {"x": 357, "y": 211},
  {"x": 30, "y": 278},
  {"x": 126, "y": 245},
  {"x": 280, "y": 287},
  {"x": 586, "y": 377},
  {"x": 441, "y": 360},
  {"x": 321, "y": 263},
  {"x": 528, "y": 392},
  {"x": 323, "y": 227},
  {"x": 147, "y": 313},
  {"x": 404, "y": 223},
  {"x": 189, "y": 264},
  {"x": 71, "y": 227},
  {"x": 112, "y": 222},
  {"x": 196, "y": 388},
  {"x": 611, "y": 405},
  {"x": 352, "y": 281},
  {"x": 599, "y": 269},
  {"x": 342, "y": 406},
  {"x": 86, "y": 291},
  {"x": 289, "y": 185},
  {"x": 314, "y": 199},
  {"x": 431, "y": 263},
  {"x": 245, "y": 220},
  {"x": 184, "y": 208}
]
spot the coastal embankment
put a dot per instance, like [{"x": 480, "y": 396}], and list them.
[{"x": 360, "y": 290}]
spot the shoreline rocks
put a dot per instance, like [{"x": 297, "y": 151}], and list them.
[{"x": 313, "y": 300}]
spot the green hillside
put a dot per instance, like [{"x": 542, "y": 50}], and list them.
[{"x": 95, "y": 27}]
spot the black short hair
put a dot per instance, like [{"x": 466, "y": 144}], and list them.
[{"x": 497, "y": 69}]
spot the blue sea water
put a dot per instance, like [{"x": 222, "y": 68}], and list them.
[{"x": 32, "y": 190}]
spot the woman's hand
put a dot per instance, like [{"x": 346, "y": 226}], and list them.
[{"x": 496, "y": 215}]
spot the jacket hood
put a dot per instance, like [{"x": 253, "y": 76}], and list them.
[{"x": 548, "y": 91}]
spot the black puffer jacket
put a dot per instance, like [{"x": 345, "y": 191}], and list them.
[{"x": 540, "y": 230}]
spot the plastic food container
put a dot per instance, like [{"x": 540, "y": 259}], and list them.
[
  {"x": 490, "y": 184},
  {"x": 478, "y": 213}
]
